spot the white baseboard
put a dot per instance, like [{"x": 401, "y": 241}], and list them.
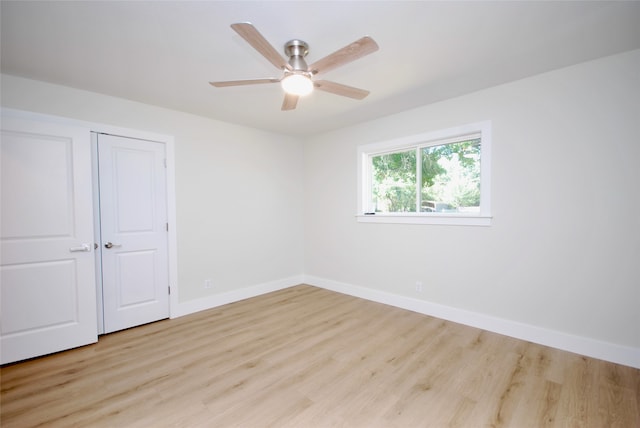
[
  {"x": 619, "y": 354},
  {"x": 185, "y": 308}
]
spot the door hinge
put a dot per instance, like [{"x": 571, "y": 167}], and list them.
[
  {"x": 169, "y": 289},
  {"x": 165, "y": 162},
  {"x": 167, "y": 226}
]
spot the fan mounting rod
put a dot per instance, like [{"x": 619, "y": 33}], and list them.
[{"x": 296, "y": 50}]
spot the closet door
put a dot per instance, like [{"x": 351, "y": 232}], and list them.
[
  {"x": 47, "y": 291},
  {"x": 133, "y": 226}
]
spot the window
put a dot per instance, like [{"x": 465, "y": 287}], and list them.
[{"x": 435, "y": 178}]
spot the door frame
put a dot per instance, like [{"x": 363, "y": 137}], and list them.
[{"x": 168, "y": 140}]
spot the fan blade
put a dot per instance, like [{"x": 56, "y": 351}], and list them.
[
  {"x": 355, "y": 50},
  {"x": 242, "y": 82},
  {"x": 248, "y": 32},
  {"x": 339, "y": 89},
  {"x": 290, "y": 102}
]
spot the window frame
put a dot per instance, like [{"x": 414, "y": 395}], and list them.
[{"x": 480, "y": 130}]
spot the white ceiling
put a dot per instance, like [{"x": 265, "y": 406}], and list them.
[{"x": 165, "y": 52}]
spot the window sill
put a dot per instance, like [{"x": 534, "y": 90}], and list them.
[{"x": 437, "y": 219}]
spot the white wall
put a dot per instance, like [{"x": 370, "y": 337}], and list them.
[
  {"x": 563, "y": 252},
  {"x": 238, "y": 190}
]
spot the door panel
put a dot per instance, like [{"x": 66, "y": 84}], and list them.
[
  {"x": 136, "y": 277},
  {"x": 45, "y": 187},
  {"x": 47, "y": 289},
  {"x": 27, "y": 294},
  {"x": 133, "y": 217}
]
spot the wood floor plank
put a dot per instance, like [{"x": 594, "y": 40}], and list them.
[{"x": 307, "y": 357}]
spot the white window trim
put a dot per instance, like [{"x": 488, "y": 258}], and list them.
[{"x": 436, "y": 137}]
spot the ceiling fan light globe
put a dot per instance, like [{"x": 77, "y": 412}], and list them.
[{"x": 297, "y": 84}]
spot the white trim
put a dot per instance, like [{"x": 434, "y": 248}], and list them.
[
  {"x": 612, "y": 352},
  {"x": 142, "y": 135},
  {"x": 93, "y": 126},
  {"x": 172, "y": 221},
  {"x": 209, "y": 302},
  {"x": 434, "y": 218}
]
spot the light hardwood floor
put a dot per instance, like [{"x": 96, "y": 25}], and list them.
[{"x": 307, "y": 357}]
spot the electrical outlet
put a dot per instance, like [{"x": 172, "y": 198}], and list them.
[
  {"x": 419, "y": 286},
  {"x": 207, "y": 283}
]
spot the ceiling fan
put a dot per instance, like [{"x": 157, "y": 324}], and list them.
[{"x": 298, "y": 77}]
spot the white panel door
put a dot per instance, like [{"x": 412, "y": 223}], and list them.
[
  {"x": 47, "y": 282},
  {"x": 133, "y": 218}
]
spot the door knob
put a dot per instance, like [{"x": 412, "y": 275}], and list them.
[{"x": 111, "y": 245}]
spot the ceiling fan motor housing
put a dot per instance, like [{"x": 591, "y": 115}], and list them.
[{"x": 296, "y": 50}]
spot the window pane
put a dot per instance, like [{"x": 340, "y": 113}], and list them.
[
  {"x": 451, "y": 177},
  {"x": 393, "y": 182}
]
